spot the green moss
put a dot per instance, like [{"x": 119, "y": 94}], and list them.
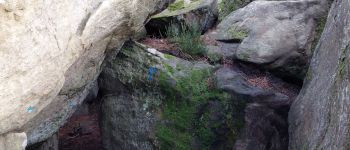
[
  {"x": 343, "y": 62},
  {"x": 178, "y": 67},
  {"x": 180, "y": 4},
  {"x": 308, "y": 76},
  {"x": 177, "y": 10},
  {"x": 237, "y": 33},
  {"x": 342, "y": 69},
  {"x": 204, "y": 129},
  {"x": 244, "y": 56},
  {"x": 214, "y": 57},
  {"x": 180, "y": 111},
  {"x": 178, "y": 140},
  {"x": 167, "y": 56},
  {"x": 320, "y": 25},
  {"x": 168, "y": 68}
]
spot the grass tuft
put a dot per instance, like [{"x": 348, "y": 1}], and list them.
[
  {"x": 187, "y": 37},
  {"x": 228, "y": 6},
  {"x": 237, "y": 33}
]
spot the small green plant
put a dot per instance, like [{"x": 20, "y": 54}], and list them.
[
  {"x": 237, "y": 33},
  {"x": 228, "y": 6},
  {"x": 214, "y": 57},
  {"x": 187, "y": 37}
]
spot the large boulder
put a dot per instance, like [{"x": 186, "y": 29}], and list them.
[
  {"x": 52, "y": 51},
  {"x": 127, "y": 118},
  {"x": 319, "y": 118},
  {"x": 274, "y": 34},
  {"x": 200, "y": 12},
  {"x": 136, "y": 105},
  {"x": 132, "y": 99}
]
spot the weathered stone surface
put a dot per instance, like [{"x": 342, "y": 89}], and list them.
[
  {"x": 265, "y": 126},
  {"x": 201, "y": 12},
  {"x": 264, "y": 129},
  {"x": 235, "y": 83},
  {"x": 275, "y": 34},
  {"x": 228, "y": 49},
  {"x": 125, "y": 124},
  {"x": 51, "y": 51},
  {"x": 319, "y": 118}
]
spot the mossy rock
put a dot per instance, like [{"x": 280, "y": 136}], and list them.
[
  {"x": 232, "y": 32},
  {"x": 180, "y": 90},
  {"x": 237, "y": 33},
  {"x": 190, "y": 113},
  {"x": 201, "y": 12}
]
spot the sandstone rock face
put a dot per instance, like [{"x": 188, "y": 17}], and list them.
[
  {"x": 52, "y": 51},
  {"x": 275, "y": 34},
  {"x": 235, "y": 83},
  {"x": 319, "y": 118}
]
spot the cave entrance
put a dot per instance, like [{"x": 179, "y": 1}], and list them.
[{"x": 82, "y": 130}]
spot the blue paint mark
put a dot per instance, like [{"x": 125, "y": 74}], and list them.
[
  {"x": 151, "y": 71},
  {"x": 30, "y": 109},
  {"x": 72, "y": 104}
]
